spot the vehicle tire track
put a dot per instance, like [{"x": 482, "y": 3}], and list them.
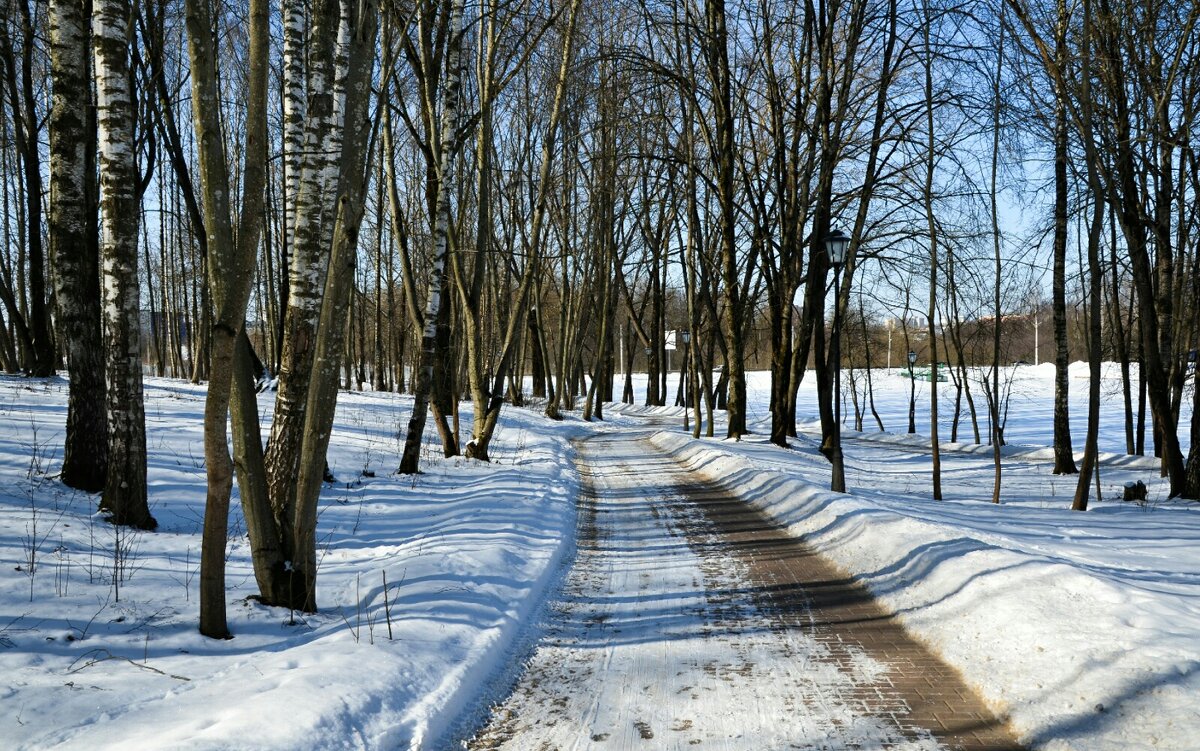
[{"x": 689, "y": 621}]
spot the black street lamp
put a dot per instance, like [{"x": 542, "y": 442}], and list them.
[
  {"x": 836, "y": 245},
  {"x": 912, "y": 393},
  {"x": 685, "y": 338}
]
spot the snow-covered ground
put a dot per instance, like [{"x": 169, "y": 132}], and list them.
[
  {"x": 468, "y": 550},
  {"x": 1085, "y": 628},
  {"x": 677, "y": 629}
]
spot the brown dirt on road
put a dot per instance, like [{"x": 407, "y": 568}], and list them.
[
  {"x": 678, "y": 590},
  {"x": 802, "y": 590}
]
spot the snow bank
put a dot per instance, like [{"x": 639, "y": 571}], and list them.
[
  {"x": 1092, "y": 648},
  {"x": 469, "y": 551}
]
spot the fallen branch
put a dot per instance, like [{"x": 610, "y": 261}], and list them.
[{"x": 95, "y": 660}]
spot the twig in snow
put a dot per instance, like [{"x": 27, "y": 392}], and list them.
[{"x": 103, "y": 655}]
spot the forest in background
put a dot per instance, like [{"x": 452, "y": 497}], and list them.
[{"x": 454, "y": 198}]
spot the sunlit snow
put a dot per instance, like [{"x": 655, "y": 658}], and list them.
[{"x": 1084, "y": 628}]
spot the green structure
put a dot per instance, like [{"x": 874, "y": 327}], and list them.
[{"x": 926, "y": 373}]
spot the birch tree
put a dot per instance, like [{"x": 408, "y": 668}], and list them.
[
  {"x": 281, "y": 508},
  {"x": 309, "y": 261},
  {"x": 74, "y": 250},
  {"x": 292, "y": 95},
  {"x": 361, "y": 20},
  {"x": 125, "y": 486}
]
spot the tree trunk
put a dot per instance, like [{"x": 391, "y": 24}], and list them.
[
  {"x": 536, "y": 355},
  {"x": 74, "y": 249},
  {"x": 717, "y": 58},
  {"x": 1121, "y": 336},
  {"x": 231, "y": 269},
  {"x": 40, "y": 360},
  {"x": 125, "y": 487},
  {"x": 931, "y": 224},
  {"x": 292, "y": 97},
  {"x": 1192, "y": 489},
  {"x": 1064, "y": 458},
  {"x": 1091, "y": 447},
  {"x": 994, "y": 393},
  {"x": 338, "y": 288},
  {"x": 309, "y": 263},
  {"x": 410, "y": 460},
  {"x": 485, "y": 422}
]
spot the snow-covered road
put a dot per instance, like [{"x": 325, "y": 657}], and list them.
[{"x": 684, "y": 624}]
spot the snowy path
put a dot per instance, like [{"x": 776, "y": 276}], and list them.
[{"x": 688, "y": 621}]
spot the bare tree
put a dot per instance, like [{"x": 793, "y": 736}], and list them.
[
  {"x": 434, "y": 305},
  {"x": 231, "y": 268},
  {"x": 487, "y": 413},
  {"x": 1064, "y": 457},
  {"x": 125, "y": 487},
  {"x": 74, "y": 248},
  {"x": 19, "y": 76}
]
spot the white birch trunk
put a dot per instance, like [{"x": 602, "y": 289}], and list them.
[
  {"x": 294, "y": 109},
  {"x": 332, "y": 157},
  {"x": 331, "y": 334},
  {"x": 74, "y": 254},
  {"x": 309, "y": 264},
  {"x": 125, "y": 488}
]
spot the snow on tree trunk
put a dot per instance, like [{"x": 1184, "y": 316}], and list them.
[
  {"x": 73, "y": 250},
  {"x": 125, "y": 487}
]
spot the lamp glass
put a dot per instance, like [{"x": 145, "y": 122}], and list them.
[
  {"x": 912, "y": 356},
  {"x": 835, "y": 245}
]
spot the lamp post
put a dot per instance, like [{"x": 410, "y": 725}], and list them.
[
  {"x": 891, "y": 324},
  {"x": 835, "y": 246},
  {"x": 685, "y": 338},
  {"x": 1036, "y": 355},
  {"x": 912, "y": 393},
  {"x": 621, "y": 345},
  {"x": 649, "y": 376}
]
